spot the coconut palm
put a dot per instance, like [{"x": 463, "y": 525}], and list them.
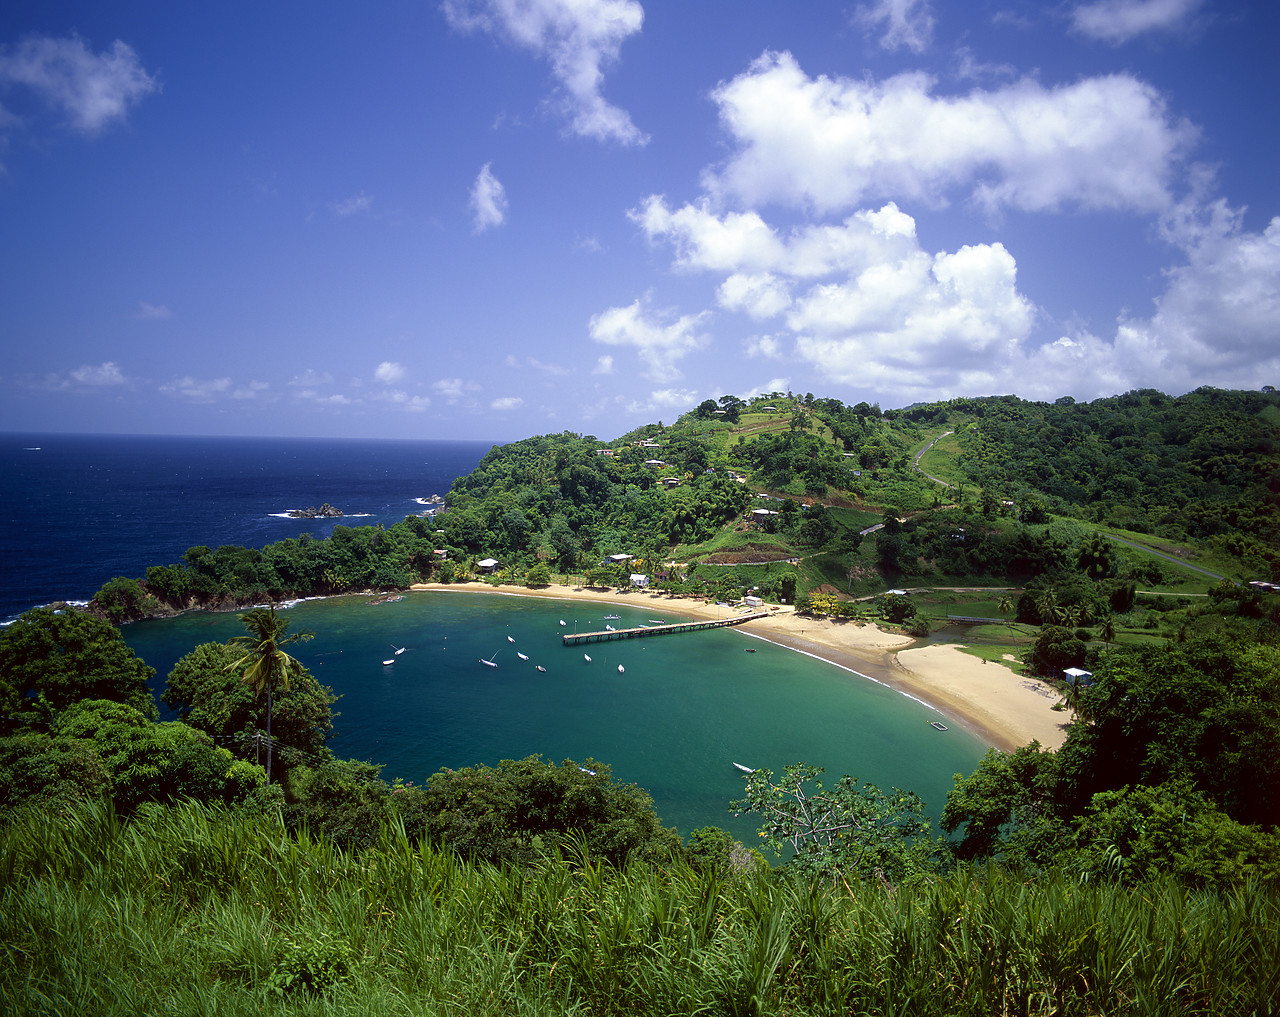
[
  {"x": 1005, "y": 607},
  {"x": 264, "y": 662},
  {"x": 1047, "y": 606},
  {"x": 1108, "y": 630}
]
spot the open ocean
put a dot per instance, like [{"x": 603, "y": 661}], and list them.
[
  {"x": 81, "y": 509},
  {"x": 77, "y": 510}
]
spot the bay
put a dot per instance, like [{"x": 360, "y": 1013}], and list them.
[
  {"x": 686, "y": 708},
  {"x": 76, "y": 510}
]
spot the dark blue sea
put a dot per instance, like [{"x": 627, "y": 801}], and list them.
[{"x": 78, "y": 510}]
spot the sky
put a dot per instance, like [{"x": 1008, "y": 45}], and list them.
[{"x": 497, "y": 218}]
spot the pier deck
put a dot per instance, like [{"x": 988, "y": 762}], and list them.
[{"x": 575, "y": 638}]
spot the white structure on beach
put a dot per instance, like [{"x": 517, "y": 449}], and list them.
[{"x": 639, "y": 580}]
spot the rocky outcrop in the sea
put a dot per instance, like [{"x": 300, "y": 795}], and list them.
[{"x": 325, "y": 511}]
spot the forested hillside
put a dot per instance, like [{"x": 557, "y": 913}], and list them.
[{"x": 1134, "y": 870}]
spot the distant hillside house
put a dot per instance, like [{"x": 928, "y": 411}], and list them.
[
  {"x": 441, "y": 552},
  {"x": 656, "y": 464},
  {"x": 618, "y": 559},
  {"x": 604, "y": 452}
]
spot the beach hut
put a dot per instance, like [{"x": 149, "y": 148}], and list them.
[
  {"x": 639, "y": 580},
  {"x": 487, "y": 564},
  {"x": 1078, "y": 676}
]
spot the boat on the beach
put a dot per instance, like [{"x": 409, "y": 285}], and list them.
[
  {"x": 744, "y": 769},
  {"x": 938, "y": 725}
]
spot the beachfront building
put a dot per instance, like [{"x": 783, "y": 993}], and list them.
[
  {"x": 487, "y": 564},
  {"x": 639, "y": 580}
]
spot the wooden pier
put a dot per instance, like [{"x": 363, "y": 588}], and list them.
[{"x": 575, "y": 638}]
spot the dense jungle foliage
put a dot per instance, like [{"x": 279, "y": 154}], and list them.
[
  {"x": 781, "y": 493},
  {"x": 1134, "y": 870}
]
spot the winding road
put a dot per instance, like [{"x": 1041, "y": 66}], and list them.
[{"x": 916, "y": 463}]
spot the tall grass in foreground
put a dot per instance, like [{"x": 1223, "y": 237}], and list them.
[{"x": 188, "y": 910}]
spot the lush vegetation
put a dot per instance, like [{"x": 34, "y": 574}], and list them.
[
  {"x": 1135, "y": 870},
  {"x": 195, "y": 910}
]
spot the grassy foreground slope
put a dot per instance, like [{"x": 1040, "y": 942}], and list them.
[{"x": 188, "y": 910}]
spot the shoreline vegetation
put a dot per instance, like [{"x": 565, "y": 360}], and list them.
[
  {"x": 1114, "y": 852},
  {"x": 999, "y": 706}
]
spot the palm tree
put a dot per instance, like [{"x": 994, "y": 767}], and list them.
[
  {"x": 264, "y": 661},
  {"x": 1047, "y": 605},
  {"x": 1108, "y": 631},
  {"x": 1005, "y": 607}
]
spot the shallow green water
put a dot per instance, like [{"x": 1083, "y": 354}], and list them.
[{"x": 687, "y": 707}]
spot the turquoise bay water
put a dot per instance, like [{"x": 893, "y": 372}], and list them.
[{"x": 686, "y": 708}]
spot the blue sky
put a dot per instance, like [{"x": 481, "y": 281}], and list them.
[{"x": 495, "y": 218}]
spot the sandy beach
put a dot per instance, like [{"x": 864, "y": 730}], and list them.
[{"x": 998, "y": 705}]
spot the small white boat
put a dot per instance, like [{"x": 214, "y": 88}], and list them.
[
  {"x": 539, "y": 667},
  {"x": 657, "y": 621},
  {"x": 522, "y": 656},
  {"x": 399, "y": 649},
  {"x": 609, "y": 628},
  {"x": 621, "y": 669},
  {"x": 744, "y": 769},
  {"x": 391, "y": 661},
  {"x": 612, "y": 617},
  {"x": 489, "y": 662},
  {"x": 585, "y": 770},
  {"x": 511, "y": 639},
  {"x": 562, "y": 621},
  {"x": 587, "y": 657}
]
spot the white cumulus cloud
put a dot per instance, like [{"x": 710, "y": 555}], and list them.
[
  {"x": 829, "y": 143},
  {"x": 505, "y": 403},
  {"x": 488, "y": 201},
  {"x": 454, "y": 390},
  {"x": 660, "y": 339},
  {"x": 1118, "y": 21},
  {"x": 106, "y": 373},
  {"x": 197, "y": 390},
  {"x": 389, "y": 372},
  {"x": 579, "y": 38},
  {"x": 904, "y": 23},
  {"x": 92, "y": 90}
]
